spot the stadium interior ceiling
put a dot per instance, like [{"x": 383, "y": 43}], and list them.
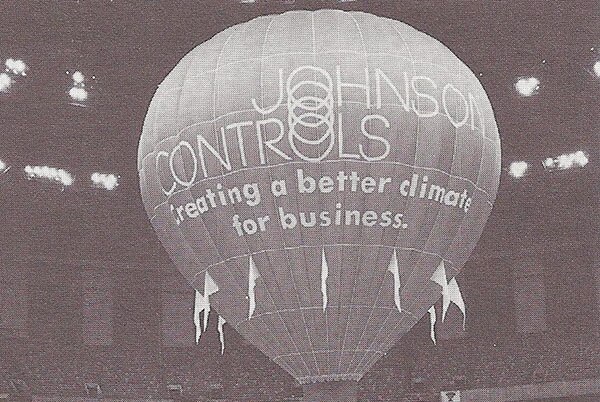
[{"x": 88, "y": 294}]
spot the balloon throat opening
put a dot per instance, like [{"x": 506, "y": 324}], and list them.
[{"x": 331, "y": 391}]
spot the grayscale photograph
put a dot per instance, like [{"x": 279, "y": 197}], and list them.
[{"x": 299, "y": 200}]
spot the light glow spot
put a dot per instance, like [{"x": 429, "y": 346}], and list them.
[
  {"x": 518, "y": 169},
  {"x": 78, "y": 77},
  {"x": 527, "y": 86},
  {"x": 566, "y": 161},
  {"x": 49, "y": 173},
  {"x": 17, "y": 67},
  {"x": 78, "y": 93},
  {"x": 597, "y": 68},
  {"x": 104, "y": 180},
  {"x": 5, "y": 82}
]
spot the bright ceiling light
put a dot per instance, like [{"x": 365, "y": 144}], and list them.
[
  {"x": 5, "y": 82},
  {"x": 78, "y": 94},
  {"x": 17, "y": 67},
  {"x": 49, "y": 173},
  {"x": 518, "y": 169},
  {"x": 566, "y": 161},
  {"x": 105, "y": 181},
  {"x": 78, "y": 77},
  {"x": 527, "y": 86}
]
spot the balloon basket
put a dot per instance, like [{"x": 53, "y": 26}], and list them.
[{"x": 331, "y": 391}]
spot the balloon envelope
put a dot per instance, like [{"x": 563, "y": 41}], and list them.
[{"x": 320, "y": 167}]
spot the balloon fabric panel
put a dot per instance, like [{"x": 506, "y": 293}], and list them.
[{"x": 321, "y": 145}]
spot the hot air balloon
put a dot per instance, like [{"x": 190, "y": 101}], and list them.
[{"x": 319, "y": 177}]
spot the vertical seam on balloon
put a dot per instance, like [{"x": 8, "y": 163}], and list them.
[
  {"x": 336, "y": 368},
  {"x": 348, "y": 314},
  {"x": 366, "y": 364},
  {"x": 439, "y": 211},
  {"x": 234, "y": 207},
  {"x": 381, "y": 281},
  {"x": 407, "y": 201},
  {"x": 422, "y": 291},
  {"x": 305, "y": 260},
  {"x": 222, "y": 172},
  {"x": 214, "y": 130},
  {"x": 307, "y": 276},
  {"x": 308, "y": 289},
  {"x": 437, "y": 215},
  {"x": 269, "y": 169},
  {"x": 265, "y": 287},
  {"x": 358, "y": 268},
  {"x": 189, "y": 189},
  {"x": 178, "y": 229},
  {"x": 339, "y": 232},
  {"x": 320, "y": 198}
]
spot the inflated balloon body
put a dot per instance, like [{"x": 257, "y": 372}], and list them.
[{"x": 311, "y": 172}]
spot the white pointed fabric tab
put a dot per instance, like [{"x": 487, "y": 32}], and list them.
[
  {"x": 221, "y": 335},
  {"x": 455, "y": 296},
  {"x": 432, "y": 320},
  {"x": 393, "y": 268},
  {"x": 253, "y": 275},
  {"x": 199, "y": 307},
  {"x": 324, "y": 275},
  {"x": 210, "y": 287},
  {"x": 439, "y": 277}
]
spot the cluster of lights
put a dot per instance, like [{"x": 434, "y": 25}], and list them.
[
  {"x": 106, "y": 181},
  {"x": 562, "y": 162},
  {"x": 566, "y": 161},
  {"x": 78, "y": 92},
  {"x": 49, "y": 173},
  {"x": 529, "y": 85},
  {"x": 13, "y": 68}
]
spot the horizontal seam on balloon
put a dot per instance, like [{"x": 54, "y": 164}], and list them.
[
  {"x": 327, "y": 377},
  {"x": 325, "y": 161},
  {"x": 298, "y": 309},
  {"x": 306, "y": 53},
  {"x": 329, "y": 161},
  {"x": 329, "y": 351},
  {"x": 326, "y": 245},
  {"x": 212, "y": 121}
]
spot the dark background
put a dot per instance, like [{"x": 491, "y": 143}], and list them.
[{"x": 49, "y": 235}]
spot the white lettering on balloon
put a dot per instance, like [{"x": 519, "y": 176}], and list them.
[
  {"x": 310, "y": 112},
  {"x": 314, "y": 102}
]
